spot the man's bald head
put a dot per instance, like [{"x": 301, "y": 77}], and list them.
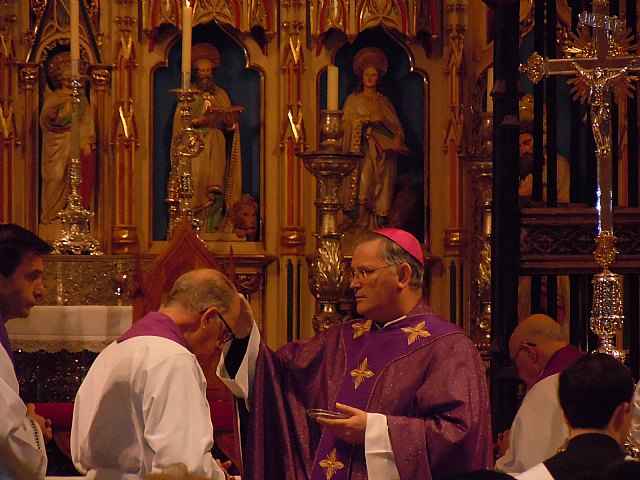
[
  {"x": 532, "y": 343},
  {"x": 537, "y": 328},
  {"x": 198, "y": 290}
]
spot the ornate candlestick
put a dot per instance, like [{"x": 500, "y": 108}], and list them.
[
  {"x": 186, "y": 145},
  {"x": 606, "y": 313},
  {"x": 75, "y": 237},
  {"x": 331, "y": 130},
  {"x": 328, "y": 279},
  {"x": 481, "y": 265}
]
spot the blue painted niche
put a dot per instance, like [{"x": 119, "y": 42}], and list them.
[{"x": 243, "y": 85}]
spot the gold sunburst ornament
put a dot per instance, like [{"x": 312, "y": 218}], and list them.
[
  {"x": 582, "y": 44},
  {"x": 331, "y": 464},
  {"x": 592, "y": 85},
  {"x": 361, "y": 328},
  {"x": 361, "y": 373},
  {"x": 413, "y": 333}
]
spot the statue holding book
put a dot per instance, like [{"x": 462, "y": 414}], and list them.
[
  {"x": 371, "y": 126},
  {"x": 217, "y": 171}
]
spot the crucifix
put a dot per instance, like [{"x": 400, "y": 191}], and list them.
[{"x": 600, "y": 59}]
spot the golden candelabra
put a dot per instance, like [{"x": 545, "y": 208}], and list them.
[
  {"x": 75, "y": 237},
  {"x": 328, "y": 278},
  {"x": 186, "y": 145}
]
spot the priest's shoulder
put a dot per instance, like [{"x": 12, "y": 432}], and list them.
[{"x": 446, "y": 326}]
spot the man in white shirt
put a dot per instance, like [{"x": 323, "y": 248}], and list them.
[
  {"x": 23, "y": 433},
  {"x": 143, "y": 406},
  {"x": 539, "y": 350},
  {"x": 634, "y": 432}
]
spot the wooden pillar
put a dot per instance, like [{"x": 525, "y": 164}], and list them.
[
  {"x": 505, "y": 246},
  {"x": 29, "y": 73}
]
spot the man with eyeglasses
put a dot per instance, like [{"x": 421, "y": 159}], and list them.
[
  {"x": 142, "y": 405},
  {"x": 539, "y": 350},
  {"x": 409, "y": 385}
]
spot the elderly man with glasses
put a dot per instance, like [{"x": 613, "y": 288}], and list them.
[
  {"x": 539, "y": 350},
  {"x": 142, "y": 406},
  {"x": 397, "y": 394}
]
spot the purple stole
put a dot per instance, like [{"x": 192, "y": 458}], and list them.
[
  {"x": 369, "y": 350},
  {"x": 560, "y": 360},
  {"x": 154, "y": 324}
]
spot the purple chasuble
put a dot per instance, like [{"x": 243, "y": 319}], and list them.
[
  {"x": 4, "y": 340},
  {"x": 369, "y": 350},
  {"x": 434, "y": 397},
  {"x": 560, "y": 360},
  {"x": 154, "y": 324}
]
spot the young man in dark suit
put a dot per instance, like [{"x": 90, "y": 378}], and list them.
[{"x": 596, "y": 396}]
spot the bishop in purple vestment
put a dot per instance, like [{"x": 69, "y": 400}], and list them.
[{"x": 410, "y": 383}]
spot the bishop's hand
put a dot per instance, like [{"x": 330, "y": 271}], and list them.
[
  {"x": 350, "y": 429},
  {"x": 244, "y": 323}
]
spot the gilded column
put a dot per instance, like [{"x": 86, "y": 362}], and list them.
[
  {"x": 28, "y": 74},
  {"x": 456, "y": 238},
  {"x": 100, "y": 82},
  {"x": 293, "y": 136},
  {"x": 292, "y": 140},
  {"x": 124, "y": 138},
  {"x": 8, "y": 133}
]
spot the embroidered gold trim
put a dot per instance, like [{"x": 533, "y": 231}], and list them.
[
  {"x": 331, "y": 464},
  {"x": 361, "y": 373},
  {"x": 361, "y": 328},
  {"x": 413, "y": 333}
]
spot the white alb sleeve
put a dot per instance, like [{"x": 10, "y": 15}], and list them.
[
  {"x": 240, "y": 385},
  {"x": 381, "y": 464}
]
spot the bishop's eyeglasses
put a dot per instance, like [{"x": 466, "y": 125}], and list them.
[{"x": 363, "y": 273}]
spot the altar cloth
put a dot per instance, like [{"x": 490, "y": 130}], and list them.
[{"x": 73, "y": 328}]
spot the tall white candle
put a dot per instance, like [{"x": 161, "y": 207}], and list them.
[
  {"x": 186, "y": 44},
  {"x": 75, "y": 33},
  {"x": 332, "y": 87},
  {"x": 489, "y": 88}
]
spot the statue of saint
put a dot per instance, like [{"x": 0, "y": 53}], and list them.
[
  {"x": 217, "y": 165},
  {"x": 55, "y": 121},
  {"x": 371, "y": 126},
  {"x": 563, "y": 181}
]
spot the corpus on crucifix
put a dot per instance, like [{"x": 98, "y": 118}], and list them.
[{"x": 602, "y": 63}]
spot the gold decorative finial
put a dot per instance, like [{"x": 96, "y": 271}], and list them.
[
  {"x": 605, "y": 252},
  {"x": 534, "y": 68}
]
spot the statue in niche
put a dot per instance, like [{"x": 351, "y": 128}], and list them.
[
  {"x": 217, "y": 171},
  {"x": 371, "y": 126},
  {"x": 563, "y": 180},
  {"x": 244, "y": 218},
  {"x": 55, "y": 121},
  {"x": 525, "y": 166}
]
